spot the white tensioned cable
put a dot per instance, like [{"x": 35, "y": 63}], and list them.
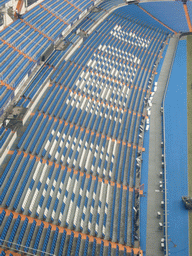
[{"x": 28, "y": 253}]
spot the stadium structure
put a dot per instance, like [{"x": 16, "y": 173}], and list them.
[{"x": 95, "y": 127}]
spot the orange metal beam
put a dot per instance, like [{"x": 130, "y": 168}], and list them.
[
  {"x": 7, "y": 85},
  {"x": 187, "y": 17},
  {"x": 69, "y": 231},
  {"x": 53, "y": 14},
  {"x": 73, "y": 5},
  {"x": 40, "y": 32},
  {"x": 8, "y": 252},
  {"x": 101, "y": 102},
  {"x": 17, "y": 50},
  {"x": 76, "y": 171},
  {"x": 87, "y": 131},
  {"x": 19, "y": 5},
  {"x": 157, "y": 19}
]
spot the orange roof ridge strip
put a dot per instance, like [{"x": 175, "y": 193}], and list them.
[
  {"x": 17, "y": 50},
  {"x": 87, "y": 131},
  {"x": 106, "y": 77},
  {"x": 8, "y": 252},
  {"x": 73, "y": 5},
  {"x": 36, "y": 29},
  {"x": 187, "y": 17},
  {"x": 80, "y": 172},
  {"x": 69, "y": 231},
  {"x": 93, "y": 99},
  {"x": 7, "y": 85},
  {"x": 157, "y": 19},
  {"x": 53, "y": 14},
  {"x": 76, "y": 7}
]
